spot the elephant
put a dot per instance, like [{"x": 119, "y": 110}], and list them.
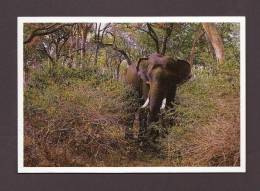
[{"x": 155, "y": 78}]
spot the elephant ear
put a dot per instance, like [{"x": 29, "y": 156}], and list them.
[
  {"x": 142, "y": 64},
  {"x": 142, "y": 67},
  {"x": 180, "y": 69}
]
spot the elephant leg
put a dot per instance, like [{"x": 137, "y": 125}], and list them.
[
  {"x": 147, "y": 135},
  {"x": 170, "y": 105},
  {"x": 163, "y": 123},
  {"x": 129, "y": 131},
  {"x": 129, "y": 127},
  {"x": 170, "y": 98},
  {"x": 142, "y": 124},
  {"x": 151, "y": 133}
]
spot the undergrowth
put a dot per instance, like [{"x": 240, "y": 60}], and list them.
[
  {"x": 206, "y": 116},
  {"x": 77, "y": 117}
]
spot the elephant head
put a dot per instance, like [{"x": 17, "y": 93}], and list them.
[{"x": 158, "y": 77}]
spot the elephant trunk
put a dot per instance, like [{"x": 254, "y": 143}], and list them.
[{"x": 157, "y": 101}]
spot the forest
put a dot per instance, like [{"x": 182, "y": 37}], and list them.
[{"x": 78, "y": 106}]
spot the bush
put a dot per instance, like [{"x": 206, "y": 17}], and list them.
[
  {"x": 206, "y": 131},
  {"x": 75, "y": 118}
]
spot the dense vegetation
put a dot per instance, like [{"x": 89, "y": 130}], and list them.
[{"x": 77, "y": 105}]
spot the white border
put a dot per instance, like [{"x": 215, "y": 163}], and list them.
[{"x": 22, "y": 169}]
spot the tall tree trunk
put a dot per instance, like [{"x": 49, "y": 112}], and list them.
[
  {"x": 84, "y": 32},
  {"x": 197, "y": 37},
  {"x": 215, "y": 39},
  {"x": 76, "y": 46},
  {"x": 96, "y": 54},
  {"x": 168, "y": 32},
  {"x": 97, "y": 40},
  {"x": 82, "y": 44},
  {"x": 118, "y": 69},
  {"x": 154, "y": 36}
]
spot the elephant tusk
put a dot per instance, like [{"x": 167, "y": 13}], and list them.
[
  {"x": 146, "y": 103},
  {"x": 163, "y": 103}
]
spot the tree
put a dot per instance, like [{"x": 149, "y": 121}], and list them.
[
  {"x": 196, "y": 38},
  {"x": 45, "y": 30},
  {"x": 150, "y": 30},
  {"x": 215, "y": 40},
  {"x": 99, "y": 40}
]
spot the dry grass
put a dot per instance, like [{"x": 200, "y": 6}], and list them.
[
  {"x": 77, "y": 125},
  {"x": 210, "y": 139},
  {"x": 81, "y": 121}
]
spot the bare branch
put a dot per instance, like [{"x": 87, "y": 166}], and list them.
[
  {"x": 45, "y": 31},
  {"x": 154, "y": 36}
]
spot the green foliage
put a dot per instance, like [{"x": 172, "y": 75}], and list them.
[{"x": 63, "y": 75}]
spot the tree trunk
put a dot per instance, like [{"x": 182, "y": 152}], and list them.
[
  {"x": 168, "y": 32},
  {"x": 197, "y": 37},
  {"x": 76, "y": 47},
  {"x": 97, "y": 40},
  {"x": 216, "y": 40},
  {"x": 84, "y": 32},
  {"x": 118, "y": 70},
  {"x": 96, "y": 54},
  {"x": 154, "y": 36}
]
